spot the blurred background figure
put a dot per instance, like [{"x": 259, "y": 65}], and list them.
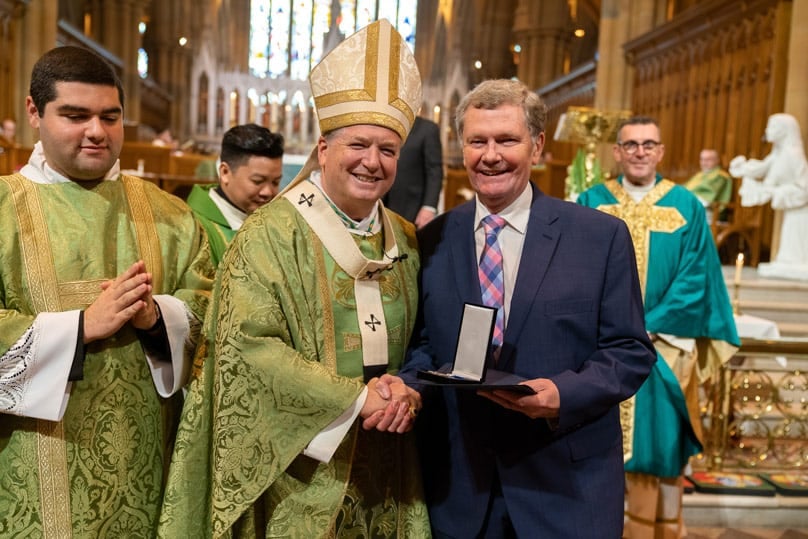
[
  {"x": 419, "y": 179},
  {"x": 8, "y": 130},
  {"x": 165, "y": 138},
  {"x": 712, "y": 184}
]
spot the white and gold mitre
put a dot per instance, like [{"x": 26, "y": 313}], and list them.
[{"x": 370, "y": 78}]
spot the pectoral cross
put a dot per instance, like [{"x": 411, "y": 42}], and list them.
[{"x": 642, "y": 218}]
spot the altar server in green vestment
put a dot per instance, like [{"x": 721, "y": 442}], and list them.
[
  {"x": 687, "y": 314},
  {"x": 250, "y": 169},
  {"x": 104, "y": 279},
  {"x": 712, "y": 184},
  {"x": 287, "y": 430}
]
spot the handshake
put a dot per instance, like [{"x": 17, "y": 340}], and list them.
[{"x": 390, "y": 406}]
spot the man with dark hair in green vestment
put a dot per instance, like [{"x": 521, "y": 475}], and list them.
[
  {"x": 687, "y": 314},
  {"x": 250, "y": 169},
  {"x": 104, "y": 280},
  {"x": 296, "y": 424}
]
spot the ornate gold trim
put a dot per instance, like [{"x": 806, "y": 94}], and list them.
[
  {"x": 627, "y": 408},
  {"x": 79, "y": 294},
  {"x": 363, "y": 117},
  {"x": 642, "y": 218},
  {"x": 343, "y": 96},
  {"x": 36, "y": 253},
  {"x": 142, "y": 216},
  {"x": 53, "y": 480},
  {"x": 372, "y": 60},
  {"x": 40, "y": 273},
  {"x": 329, "y": 338}
]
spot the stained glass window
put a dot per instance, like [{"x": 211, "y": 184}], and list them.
[
  {"x": 301, "y": 39},
  {"x": 365, "y": 12},
  {"x": 259, "y": 37},
  {"x": 347, "y": 17},
  {"x": 142, "y": 63},
  {"x": 287, "y": 37},
  {"x": 319, "y": 29}
]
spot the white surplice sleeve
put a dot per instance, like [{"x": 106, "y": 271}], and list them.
[
  {"x": 182, "y": 328},
  {"x": 323, "y": 446},
  {"x": 34, "y": 371}
]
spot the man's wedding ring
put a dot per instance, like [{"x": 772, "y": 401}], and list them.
[{"x": 413, "y": 412}]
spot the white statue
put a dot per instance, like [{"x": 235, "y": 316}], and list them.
[{"x": 784, "y": 174}]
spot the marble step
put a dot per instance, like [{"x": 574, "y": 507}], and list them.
[
  {"x": 783, "y": 301},
  {"x": 724, "y": 510},
  {"x": 780, "y": 311}
]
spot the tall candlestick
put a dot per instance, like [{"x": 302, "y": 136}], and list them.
[
  {"x": 736, "y": 299},
  {"x": 738, "y": 268}
]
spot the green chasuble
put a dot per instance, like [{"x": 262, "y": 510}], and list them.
[
  {"x": 210, "y": 217},
  {"x": 712, "y": 186},
  {"x": 685, "y": 296},
  {"x": 99, "y": 471},
  {"x": 284, "y": 360}
]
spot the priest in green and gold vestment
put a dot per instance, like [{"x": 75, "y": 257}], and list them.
[
  {"x": 104, "y": 280},
  {"x": 712, "y": 184},
  {"x": 687, "y": 314},
  {"x": 295, "y": 425},
  {"x": 250, "y": 169}
]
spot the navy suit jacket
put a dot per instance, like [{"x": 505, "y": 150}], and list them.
[
  {"x": 419, "y": 172},
  {"x": 576, "y": 317}
]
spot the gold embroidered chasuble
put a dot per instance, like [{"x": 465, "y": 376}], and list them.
[
  {"x": 684, "y": 295},
  {"x": 98, "y": 472},
  {"x": 284, "y": 360},
  {"x": 642, "y": 218}
]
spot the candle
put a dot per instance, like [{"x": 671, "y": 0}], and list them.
[{"x": 738, "y": 268}]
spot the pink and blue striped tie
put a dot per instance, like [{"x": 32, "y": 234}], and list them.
[{"x": 492, "y": 283}]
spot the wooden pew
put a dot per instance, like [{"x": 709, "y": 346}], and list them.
[
  {"x": 5, "y": 158},
  {"x": 154, "y": 159},
  {"x": 187, "y": 163},
  {"x": 13, "y": 157}
]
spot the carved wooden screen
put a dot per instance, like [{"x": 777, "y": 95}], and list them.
[
  {"x": 712, "y": 77},
  {"x": 576, "y": 89},
  {"x": 7, "y": 57}
]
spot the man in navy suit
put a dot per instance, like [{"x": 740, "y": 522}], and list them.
[{"x": 498, "y": 464}]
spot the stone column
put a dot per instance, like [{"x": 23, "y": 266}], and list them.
[
  {"x": 130, "y": 40},
  {"x": 95, "y": 9},
  {"x": 181, "y": 103},
  {"x": 109, "y": 30},
  {"x": 796, "y": 98},
  {"x": 796, "y": 91},
  {"x": 37, "y": 35},
  {"x": 543, "y": 30},
  {"x": 620, "y": 21}
]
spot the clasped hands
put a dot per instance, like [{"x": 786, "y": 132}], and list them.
[
  {"x": 127, "y": 298},
  {"x": 390, "y": 406}
]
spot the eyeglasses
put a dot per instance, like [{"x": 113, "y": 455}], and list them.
[{"x": 631, "y": 146}]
